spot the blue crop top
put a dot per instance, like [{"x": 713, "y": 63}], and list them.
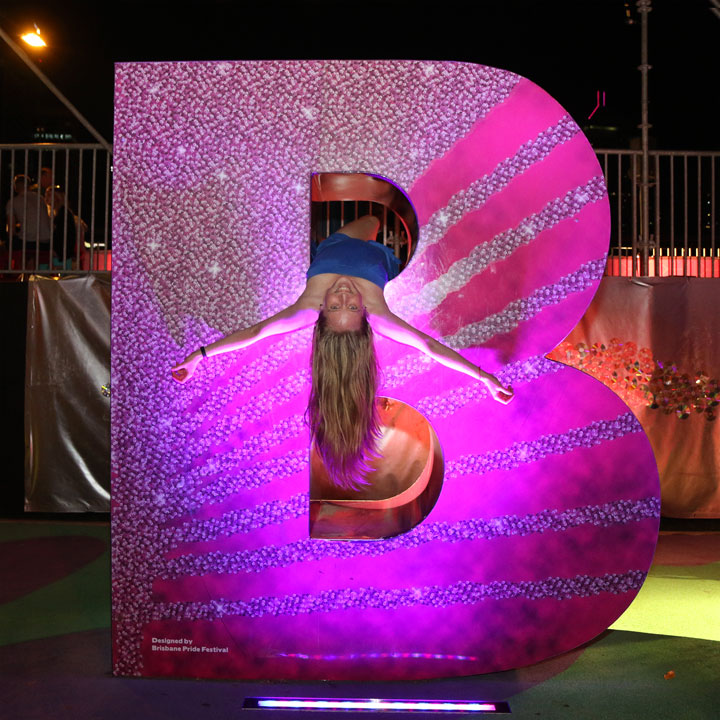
[{"x": 344, "y": 255}]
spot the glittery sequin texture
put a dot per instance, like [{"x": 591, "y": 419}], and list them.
[
  {"x": 478, "y": 192},
  {"x": 465, "y": 593},
  {"x": 641, "y": 380},
  {"x": 504, "y": 245},
  {"x": 623, "y": 511},
  {"x": 524, "y": 309}
]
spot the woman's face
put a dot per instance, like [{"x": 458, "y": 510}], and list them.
[{"x": 343, "y": 306}]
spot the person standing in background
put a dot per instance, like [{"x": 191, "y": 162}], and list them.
[
  {"x": 28, "y": 218},
  {"x": 68, "y": 230}
]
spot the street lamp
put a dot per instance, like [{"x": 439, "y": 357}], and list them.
[
  {"x": 50, "y": 86},
  {"x": 33, "y": 38}
]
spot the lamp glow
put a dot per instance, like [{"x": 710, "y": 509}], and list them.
[
  {"x": 33, "y": 39},
  {"x": 376, "y": 704}
]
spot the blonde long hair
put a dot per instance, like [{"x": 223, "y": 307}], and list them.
[{"x": 342, "y": 414}]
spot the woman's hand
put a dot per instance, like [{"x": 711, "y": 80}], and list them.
[
  {"x": 497, "y": 390},
  {"x": 183, "y": 371}
]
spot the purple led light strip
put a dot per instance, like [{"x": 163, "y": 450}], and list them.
[
  {"x": 464, "y": 592},
  {"x": 374, "y": 705},
  {"x": 618, "y": 512},
  {"x": 381, "y": 656}
]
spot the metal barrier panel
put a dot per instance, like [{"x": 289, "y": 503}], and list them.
[
  {"x": 55, "y": 204},
  {"x": 67, "y": 404},
  {"x": 60, "y": 222},
  {"x": 681, "y": 238}
]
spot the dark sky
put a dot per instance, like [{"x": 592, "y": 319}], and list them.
[{"x": 571, "y": 48}]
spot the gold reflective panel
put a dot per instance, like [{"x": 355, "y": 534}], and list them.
[{"x": 402, "y": 488}]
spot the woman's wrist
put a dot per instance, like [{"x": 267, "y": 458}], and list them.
[{"x": 490, "y": 380}]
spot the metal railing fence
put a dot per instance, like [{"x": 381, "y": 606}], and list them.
[
  {"x": 55, "y": 205},
  {"x": 682, "y": 236},
  {"x": 327, "y": 217}
]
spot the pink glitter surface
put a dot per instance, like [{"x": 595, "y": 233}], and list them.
[{"x": 548, "y": 516}]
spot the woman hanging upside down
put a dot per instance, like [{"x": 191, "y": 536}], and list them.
[{"x": 344, "y": 299}]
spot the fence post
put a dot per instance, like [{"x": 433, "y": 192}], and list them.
[{"x": 644, "y": 7}]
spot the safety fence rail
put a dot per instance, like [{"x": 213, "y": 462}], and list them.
[
  {"x": 55, "y": 205},
  {"x": 56, "y": 219},
  {"x": 682, "y": 234}
]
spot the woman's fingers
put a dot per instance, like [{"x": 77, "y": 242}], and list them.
[
  {"x": 503, "y": 395},
  {"x": 183, "y": 371},
  {"x": 180, "y": 374}
]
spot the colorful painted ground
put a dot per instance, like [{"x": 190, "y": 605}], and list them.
[{"x": 55, "y": 647}]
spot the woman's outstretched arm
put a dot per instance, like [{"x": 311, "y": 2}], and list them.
[
  {"x": 394, "y": 328},
  {"x": 294, "y": 317}
]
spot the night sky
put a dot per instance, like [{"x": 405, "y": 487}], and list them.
[{"x": 571, "y": 48}]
